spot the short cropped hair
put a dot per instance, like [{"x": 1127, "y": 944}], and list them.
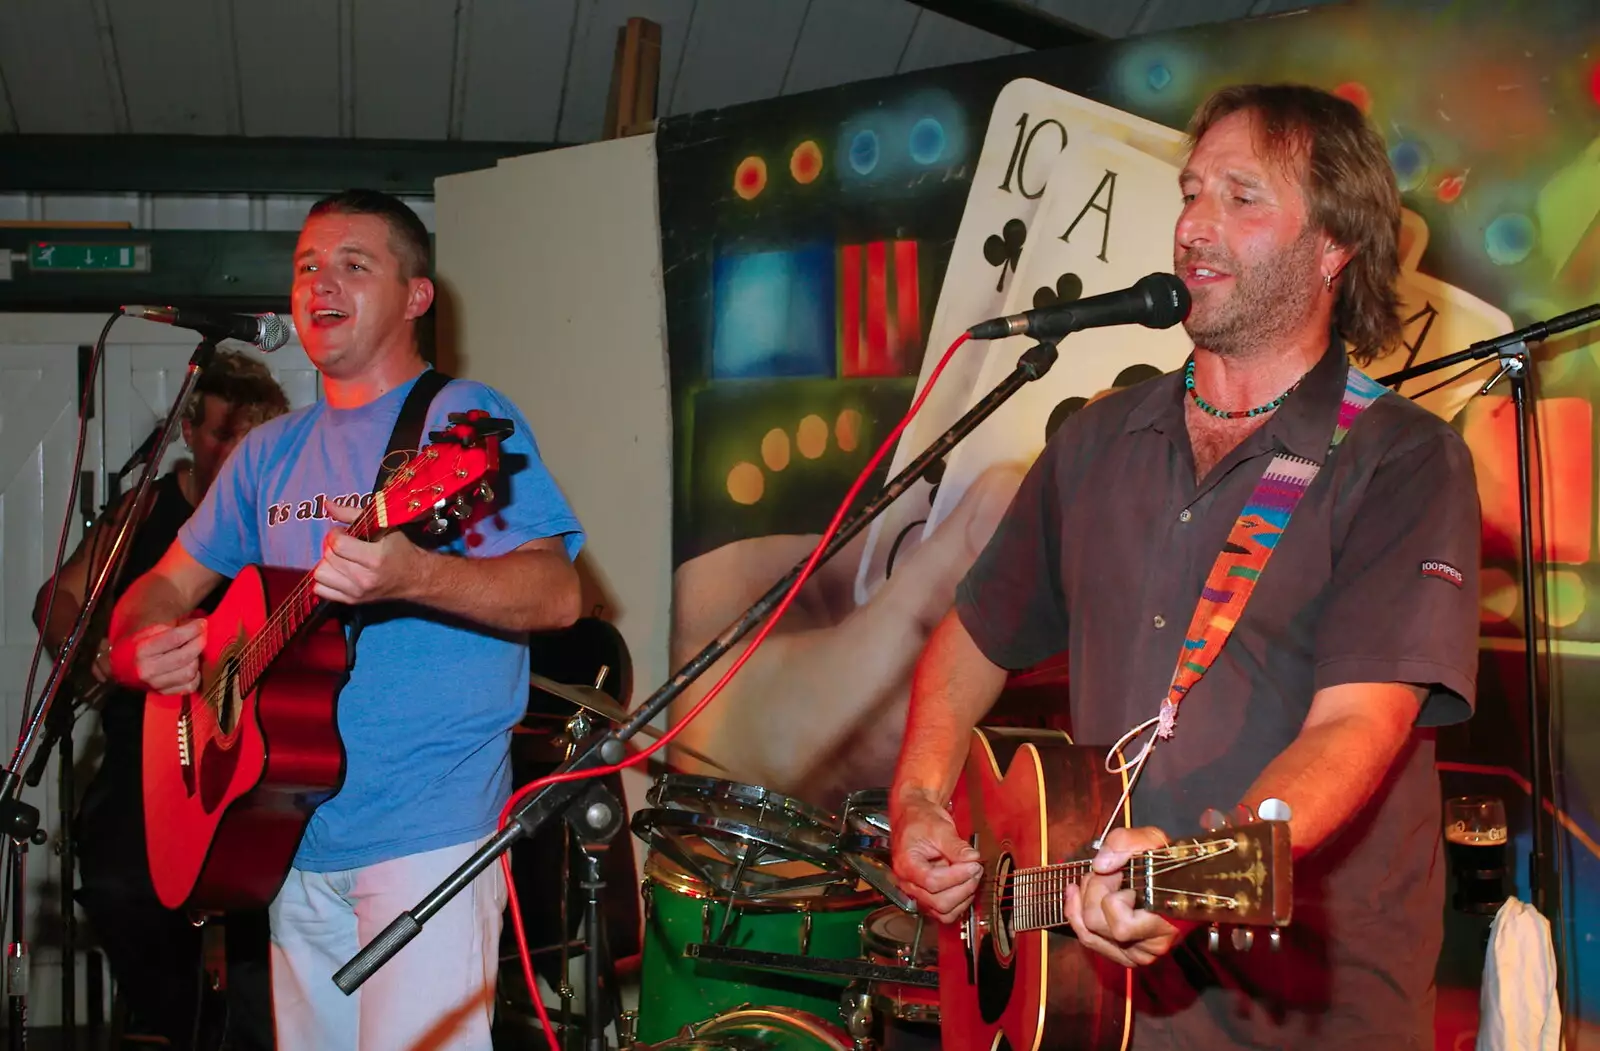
[{"x": 408, "y": 238}]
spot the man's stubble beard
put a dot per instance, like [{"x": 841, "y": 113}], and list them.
[{"x": 1268, "y": 298}]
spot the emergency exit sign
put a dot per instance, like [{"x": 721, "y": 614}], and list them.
[{"x": 124, "y": 258}]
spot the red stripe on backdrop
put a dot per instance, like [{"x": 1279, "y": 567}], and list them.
[
  {"x": 877, "y": 296},
  {"x": 908, "y": 308},
  {"x": 850, "y": 310}
]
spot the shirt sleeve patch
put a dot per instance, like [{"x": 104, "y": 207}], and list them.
[{"x": 1443, "y": 571}]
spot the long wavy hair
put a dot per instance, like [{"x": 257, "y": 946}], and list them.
[{"x": 1349, "y": 189}]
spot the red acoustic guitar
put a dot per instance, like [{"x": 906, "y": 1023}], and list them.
[
  {"x": 1011, "y": 973},
  {"x": 233, "y": 772}
]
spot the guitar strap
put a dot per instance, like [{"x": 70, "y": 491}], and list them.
[
  {"x": 1249, "y": 546},
  {"x": 403, "y": 442}
]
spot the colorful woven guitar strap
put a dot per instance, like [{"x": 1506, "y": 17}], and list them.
[{"x": 1250, "y": 544}]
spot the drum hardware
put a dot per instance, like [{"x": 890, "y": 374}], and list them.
[
  {"x": 863, "y": 843},
  {"x": 816, "y": 966},
  {"x": 592, "y": 699}
]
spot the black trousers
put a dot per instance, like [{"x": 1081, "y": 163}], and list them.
[{"x": 156, "y": 954}]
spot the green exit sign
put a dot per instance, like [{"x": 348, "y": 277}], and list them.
[{"x": 54, "y": 255}]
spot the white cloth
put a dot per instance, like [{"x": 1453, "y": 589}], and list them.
[
  {"x": 1517, "y": 1006},
  {"x": 436, "y": 993}
]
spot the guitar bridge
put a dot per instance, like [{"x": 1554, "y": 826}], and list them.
[{"x": 185, "y": 738}]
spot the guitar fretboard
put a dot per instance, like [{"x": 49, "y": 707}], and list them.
[{"x": 1038, "y": 896}]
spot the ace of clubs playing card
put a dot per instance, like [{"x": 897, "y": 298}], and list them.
[
  {"x": 1107, "y": 220},
  {"x": 1031, "y": 125}
]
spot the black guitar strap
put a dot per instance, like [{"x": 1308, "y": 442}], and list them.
[{"x": 405, "y": 439}]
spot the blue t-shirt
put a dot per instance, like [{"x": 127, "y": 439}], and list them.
[{"x": 426, "y": 715}]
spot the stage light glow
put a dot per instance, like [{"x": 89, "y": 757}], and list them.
[
  {"x": 750, "y": 178},
  {"x": 805, "y": 163},
  {"x": 811, "y": 437},
  {"x": 847, "y": 430},
  {"x": 927, "y": 141},
  {"x": 775, "y": 449},
  {"x": 745, "y": 483}
]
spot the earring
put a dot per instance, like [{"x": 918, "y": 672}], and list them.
[{"x": 1327, "y": 282}]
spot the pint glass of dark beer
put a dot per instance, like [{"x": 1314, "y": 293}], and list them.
[{"x": 1475, "y": 844}]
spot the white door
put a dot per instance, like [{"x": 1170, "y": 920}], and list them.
[{"x": 141, "y": 374}]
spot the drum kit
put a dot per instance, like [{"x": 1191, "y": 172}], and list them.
[
  {"x": 773, "y": 923},
  {"x": 768, "y": 922}
]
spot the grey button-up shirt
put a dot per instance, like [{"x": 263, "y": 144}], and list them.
[{"x": 1103, "y": 554}]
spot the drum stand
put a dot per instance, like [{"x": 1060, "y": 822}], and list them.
[{"x": 587, "y": 805}]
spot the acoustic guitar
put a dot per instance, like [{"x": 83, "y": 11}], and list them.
[
  {"x": 233, "y": 772},
  {"x": 1011, "y": 972}
]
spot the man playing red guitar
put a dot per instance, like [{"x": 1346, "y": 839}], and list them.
[
  {"x": 441, "y": 666},
  {"x": 1361, "y": 634}
]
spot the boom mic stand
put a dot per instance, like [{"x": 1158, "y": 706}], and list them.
[
  {"x": 1515, "y": 362},
  {"x": 587, "y": 804},
  {"x": 19, "y": 820}
]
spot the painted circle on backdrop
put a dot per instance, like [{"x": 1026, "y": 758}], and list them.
[
  {"x": 1509, "y": 239},
  {"x": 1410, "y": 160},
  {"x": 1567, "y": 599},
  {"x": 1450, "y": 186},
  {"x": 775, "y": 449},
  {"x": 847, "y": 430},
  {"x": 750, "y": 178},
  {"x": 811, "y": 437},
  {"x": 927, "y": 141},
  {"x": 1158, "y": 76},
  {"x": 805, "y": 164},
  {"x": 745, "y": 483},
  {"x": 1355, "y": 93},
  {"x": 864, "y": 151}
]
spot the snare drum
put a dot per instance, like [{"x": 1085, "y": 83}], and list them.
[
  {"x": 676, "y": 990},
  {"x": 762, "y": 1029}
]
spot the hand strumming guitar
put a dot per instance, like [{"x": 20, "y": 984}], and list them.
[
  {"x": 934, "y": 865},
  {"x": 1102, "y": 912},
  {"x": 161, "y": 658}
]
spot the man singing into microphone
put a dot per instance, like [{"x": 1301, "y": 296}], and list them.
[{"x": 1360, "y": 634}]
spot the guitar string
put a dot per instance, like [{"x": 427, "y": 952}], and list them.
[{"x": 1025, "y": 884}]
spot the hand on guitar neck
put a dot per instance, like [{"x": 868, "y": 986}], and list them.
[
  {"x": 1102, "y": 912},
  {"x": 355, "y": 571}
]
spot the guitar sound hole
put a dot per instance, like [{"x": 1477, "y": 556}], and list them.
[
  {"x": 995, "y": 978},
  {"x": 228, "y": 702}
]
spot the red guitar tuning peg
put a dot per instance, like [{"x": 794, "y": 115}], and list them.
[
  {"x": 1213, "y": 820},
  {"x": 1213, "y": 938},
  {"x": 1241, "y": 815}
]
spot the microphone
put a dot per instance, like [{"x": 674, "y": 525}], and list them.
[
  {"x": 266, "y": 332},
  {"x": 1154, "y": 301}
]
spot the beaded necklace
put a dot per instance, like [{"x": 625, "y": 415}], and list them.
[{"x": 1237, "y": 414}]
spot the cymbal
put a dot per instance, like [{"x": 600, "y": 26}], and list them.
[{"x": 600, "y": 703}]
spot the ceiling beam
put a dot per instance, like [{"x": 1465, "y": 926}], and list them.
[
  {"x": 238, "y": 164},
  {"x": 1014, "y": 21}
]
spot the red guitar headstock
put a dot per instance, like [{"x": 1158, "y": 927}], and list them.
[{"x": 435, "y": 483}]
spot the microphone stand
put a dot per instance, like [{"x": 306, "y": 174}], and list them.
[
  {"x": 1515, "y": 362},
  {"x": 17, "y": 819},
  {"x": 587, "y": 804}
]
